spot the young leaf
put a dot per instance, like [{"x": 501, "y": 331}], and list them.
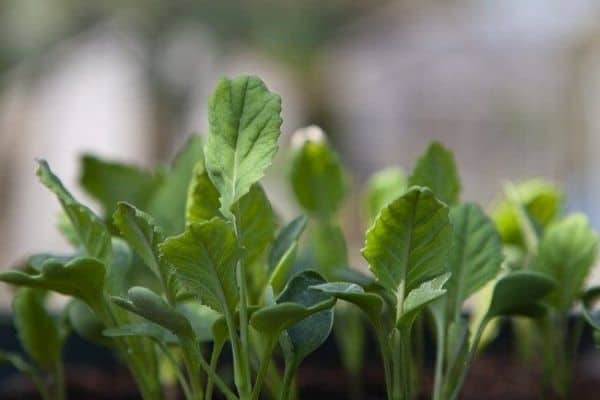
[
  {"x": 82, "y": 277},
  {"x": 329, "y": 248},
  {"x": 520, "y": 293},
  {"x": 149, "y": 305},
  {"x": 567, "y": 252},
  {"x": 110, "y": 182},
  {"x": 144, "y": 236},
  {"x": 371, "y": 303},
  {"x": 91, "y": 231},
  {"x": 256, "y": 223},
  {"x": 476, "y": 254},
  {"x": 203, "y": 197},
  {"x": 120, "y": 274},
  {"x": 408, "y": 243},
  {"x": 421, "y": 296},
  {"x": 277, "y": 317},
  {"x": 287, "y": 236},
  {"x": 168, "y": 205},
  {"x": 204, "y": 258},
  {"x": 436, "y": 169},
  {"x": 590, "y": 297},
  {"x": 317, "y": 176},
  {"x": 244, "y": 125},
  {"x": 542, "y": 202},
  {"x": 85, "y": 322},
  {"x": 38, "y": 332},
  {"x": 142, "y": 329},
  {"x": 306, "y": 336},
  {"x": 384, "y": 187}
]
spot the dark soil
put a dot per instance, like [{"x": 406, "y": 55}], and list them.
[{"x": 492, "y": 378}]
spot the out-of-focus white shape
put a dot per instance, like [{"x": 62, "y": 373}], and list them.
[
  {"x": 90, "y": 99},
  {"x": 311, "y": 133}
]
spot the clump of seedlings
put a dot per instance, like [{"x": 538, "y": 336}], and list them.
[{"x": 191, "y": 259}]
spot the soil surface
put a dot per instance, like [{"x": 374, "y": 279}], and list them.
[{"x": 492, "y": 378}]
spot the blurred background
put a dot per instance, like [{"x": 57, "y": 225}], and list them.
[{"x": 512, "y": 86}]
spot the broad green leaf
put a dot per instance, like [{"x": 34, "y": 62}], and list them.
[
  {"x": 168, "y": 205},
  {"x": 329, "y": 248},
  {"x": 85, "y": 322},
  {"x": 144, "y": 236},
  {"x": 82, "y": 277},
  {"x": 436, "y": 169},
  {"x": 256, "y": 223},
  {"x": 371, "y": 303},
  {"x": 35, "y": 262},
  {"x": 244, "y": 125},
  {"x": 203, "y": 198},
  {"x": 201, "y": 318},
  {"x": 277, "y": 317},
  {"x": 567, "y": 252},
  {"x": 520, "y": 293},
  {"x": 110, "y": 182},
  {"x": 476, "y": 254},
  {"x": 542, "y": 202},
  {"x": 419, "y": 297},
  {"x": 304, "y": 337},
  {"x": 285, "y": 239},
  {"x": 38, "y": 332},
  {"x": 409, "y": 242},
  {"x": 204, "y": 258},
  {"x": 316, "y": 175},
  {"x": 91, "y": 231},
  {"x": 149, "y": 305},
  {"x": 142, "y": 329},
  {"x": 384, "y": 187}
]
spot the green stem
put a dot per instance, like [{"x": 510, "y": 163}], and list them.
[
  {"x": 470, "y": 358},
  {"x": 180, "y": 377},
  {"x": 245, "y": 389},
  {"x": 191, "y": 358},
  {"x": 288, "y": 380},
  {"x": 214, "y": 360},
  {"x": 439, "y": 365},
  {"x": 264, "y": 367},
  {"x": 406, "y": 364},
  {"x": 59, "y": 376},
  {"x": 387, "y": 363},
  {"x": 397, "y": 367}
]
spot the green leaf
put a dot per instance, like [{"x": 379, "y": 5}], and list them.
[
  {"x": 371, "y": 303},
  {"x": 476, "y": 254},
  {"x": 287, "y": 236},
  {"x": 110, "y": 182},
  {"x": 384, "y": 187},
  {"x": 201, "y": 318},
  {"x": 149, "y": 305},
  {"x": 592, "y": 316},
  {"x": 542, "y": 202},
  {"x": 142, "y": 329},
  {"x": 419, "y": 297},
  {"x": 436, "y": 169},
  {"x": 316, "y": 174},
  {"x": 85, "y": 322},
  {"x": 409, "y": 242},
  {"x": 38, "y": 332},
  {"x": 168, "y": 205},
  {"x": 120, "y": 275},
  {"x": 255, "y": 222},
  {"x": 244, "y": 125},
  {"x": 203, "y": 198},
  {"x": 329, "y": 248},
  {"x": 82, "y": 277},
  {"x": 520, "y": 293},
  {"x": 567, "y": 252},
  {"x": 204, "y": 258},
  {"x": 92, "y": 232},
  {"x": 277, "y": 317},
  {"x": 306, "y": 336},
  {"x": 144, "y": 236}
]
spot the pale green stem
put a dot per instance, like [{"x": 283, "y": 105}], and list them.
[
  {"x": 180, "y": 377},
  {"x": 288, "y": 380},
  {"x": 264, "y": 368},
  {"x": 214, "y": 360}
]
